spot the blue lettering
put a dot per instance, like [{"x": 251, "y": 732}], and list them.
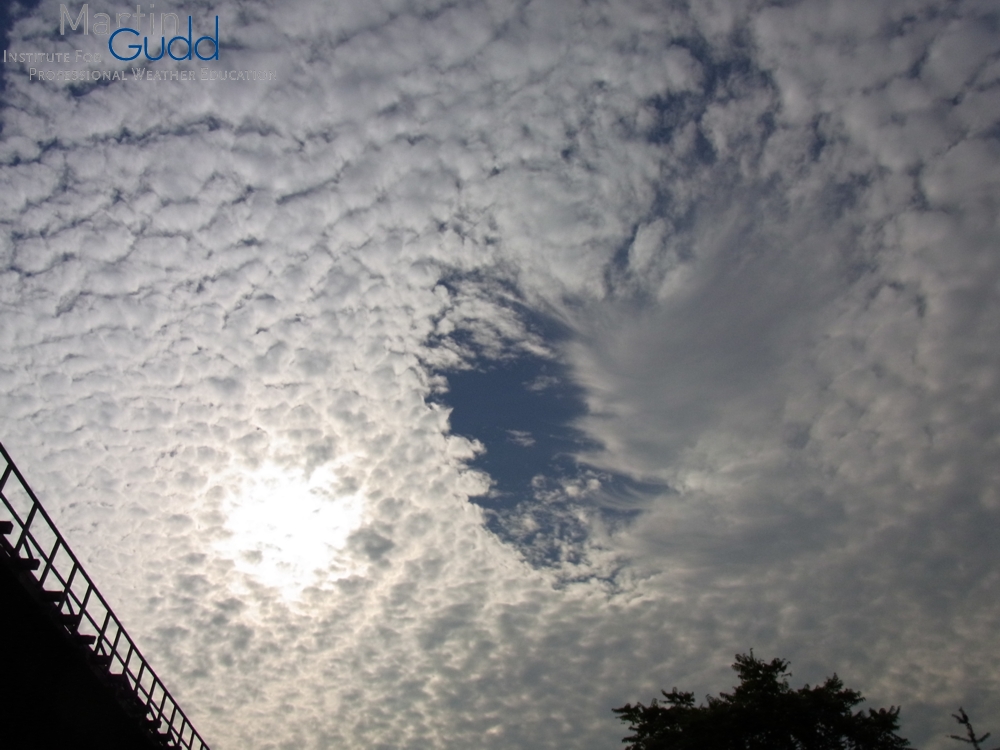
[
  {"x": 168, "y": 47},
  {"x": 214, "y": 41},
  {"x": 186, "y": 40},
  {"x": 145, "y": 45},
  {"x": 136, "y": 47}
]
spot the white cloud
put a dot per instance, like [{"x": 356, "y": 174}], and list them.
[{"x": 768, "y": 233}]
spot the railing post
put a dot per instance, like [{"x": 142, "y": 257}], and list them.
[
  {"x": 25, "y": 527},
  {"x": 102, "y": 638},
  {"x": 48, "y": 561}
]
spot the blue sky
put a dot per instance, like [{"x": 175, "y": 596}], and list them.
[
  {"x": 522, "y": 410},
  {"x": 494, "y": 364}
]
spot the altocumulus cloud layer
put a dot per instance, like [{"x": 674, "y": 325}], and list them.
[{"x": 766, "y": 233}]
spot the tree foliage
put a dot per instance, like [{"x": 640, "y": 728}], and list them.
[{"x": 762, "y": 713}]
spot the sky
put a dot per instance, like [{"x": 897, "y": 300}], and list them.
[{"x": 478, "y": 367}]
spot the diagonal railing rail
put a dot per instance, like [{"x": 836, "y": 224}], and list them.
[{"x": 33, "y": 543}]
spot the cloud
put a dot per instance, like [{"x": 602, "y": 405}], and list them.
[
  {"x": 521, "y": 437},
  {"x": 765, "y": 236}
]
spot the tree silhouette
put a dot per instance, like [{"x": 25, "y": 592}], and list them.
[
  {"x": 961, "y": 718},
  {"x": 762, "y": 713}
]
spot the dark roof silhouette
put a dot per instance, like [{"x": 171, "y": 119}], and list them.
[{"x": 71, "y": 676}]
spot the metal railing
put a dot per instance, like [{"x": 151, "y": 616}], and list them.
[{"x": 33, "y": 543}]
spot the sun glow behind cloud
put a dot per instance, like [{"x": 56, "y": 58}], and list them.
[{"x": 288, "y": 529}]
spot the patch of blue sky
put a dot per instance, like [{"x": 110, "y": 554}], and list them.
[{"x": 523, "y": 411}]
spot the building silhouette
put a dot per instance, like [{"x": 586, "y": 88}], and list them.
[{"x": 71, "y": 678}]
